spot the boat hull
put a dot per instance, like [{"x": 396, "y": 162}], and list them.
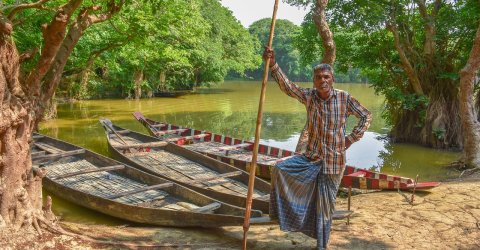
[
  {"x": 225, "y": 215},
  {"x": 197, "y": 158},
  {"x": 353, "y": 177}
]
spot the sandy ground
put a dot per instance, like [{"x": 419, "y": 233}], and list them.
[{"x": 447, "y": 217}]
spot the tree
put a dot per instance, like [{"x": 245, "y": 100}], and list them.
[
  {"x": 470, "y": 122},
  {"x": 286, "y": 52},
  {"x": 411, "y": 52},
  {"x": 228, "y": 46},
  {"x": 25, "y": 90}
]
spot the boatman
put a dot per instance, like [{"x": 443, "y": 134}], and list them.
[{"x": 304, "y": 187}]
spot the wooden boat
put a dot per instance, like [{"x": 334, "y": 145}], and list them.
[
  {"x": 110, "y": 187},
  {"x": 238, "y": 153},
  {"x": 171, "y": 94},
  {"x": 186, "y": 167}
]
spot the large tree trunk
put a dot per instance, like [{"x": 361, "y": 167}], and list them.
[
  {"x": 470, "y": 124},
  {"x": 21, "y": 106},
  {"x": 20, "y": 189}
]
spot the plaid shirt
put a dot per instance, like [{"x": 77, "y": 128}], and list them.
[{"x": 326, "y": 121}]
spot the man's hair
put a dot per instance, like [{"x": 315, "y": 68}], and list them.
[{"x": 323, "y": 67}]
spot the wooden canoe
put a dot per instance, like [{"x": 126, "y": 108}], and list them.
[
  {"x": 110, "y": 187},
  {"x": 186, "y": 167},
  {"x": 238, "y": 153}
]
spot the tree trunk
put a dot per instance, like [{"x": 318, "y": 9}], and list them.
[
  {"x": 163, "y": 85},
  {"x": 21, "y": 105},
  {"x": 20, "y": 189},
  {"x": 470, "y": 124},
  {"x": 319, "y": 17},
  {"x": 138, "y": 79}
]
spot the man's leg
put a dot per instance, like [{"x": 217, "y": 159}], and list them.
[
  {"x": 293, "y": 197},
  {"x": 328, "y": 185}
]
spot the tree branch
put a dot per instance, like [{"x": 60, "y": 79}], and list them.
[
  {"x": 27, "y": 55},
  {"x": 19, "y": 7},
  {"x": 5, "y": 26},
  {"x": 407, "y": 66},
  {"x": 53, "y": 35},
  {"x": 77, "y": 28},
  {"x": 430, "y": 29},
  {"x": 320, "y": 20},
  {"x": 470, "y": 123}
]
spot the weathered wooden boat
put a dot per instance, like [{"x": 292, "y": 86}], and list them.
[
  {"x": 238, "y": 153},
  {"x": 186, "y": 167},
  {"x": 110, "y": 187}
]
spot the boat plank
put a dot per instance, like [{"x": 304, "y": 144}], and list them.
[
  {"x": 139, "y": 190},
  {"x": 86, "y": 171}
]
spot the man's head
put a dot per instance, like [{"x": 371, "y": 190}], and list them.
[{"x": 323, "y": 79}]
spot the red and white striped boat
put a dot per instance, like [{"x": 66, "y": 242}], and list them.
[{"x": 238, "y": 153}]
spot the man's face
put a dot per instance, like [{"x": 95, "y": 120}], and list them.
[{"x": 323, "y": 81}]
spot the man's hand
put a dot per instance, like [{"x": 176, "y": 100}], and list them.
[
  {"x": 348, "y": 143},
  {"x": 269, "y": 54}
]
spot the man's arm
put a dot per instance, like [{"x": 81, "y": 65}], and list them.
[
  {"x": 364, "y": 116},
  {"x": 287, "y": 86}
]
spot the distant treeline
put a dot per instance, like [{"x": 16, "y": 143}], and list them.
[{"x": 287, "y": 43}]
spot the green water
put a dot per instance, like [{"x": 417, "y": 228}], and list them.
[{"x": 231, "y": 109}]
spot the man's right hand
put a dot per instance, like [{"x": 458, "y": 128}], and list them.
[{"x": 269, "y": 54}]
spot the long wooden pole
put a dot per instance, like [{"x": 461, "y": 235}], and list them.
[{"x": 253, "y": 166}]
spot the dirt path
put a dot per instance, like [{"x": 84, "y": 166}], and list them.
[{"x": 448, "y": 217}]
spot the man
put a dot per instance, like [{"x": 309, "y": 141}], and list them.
[{"x": 304, "y": 187}]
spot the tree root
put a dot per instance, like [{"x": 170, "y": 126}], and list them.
[{"x": 468, "y": 172}]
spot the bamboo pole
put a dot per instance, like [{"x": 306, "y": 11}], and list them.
[{"x": 253, "y": 166}]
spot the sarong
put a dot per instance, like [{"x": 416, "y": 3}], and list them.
[{"x": 303, "y": 198}]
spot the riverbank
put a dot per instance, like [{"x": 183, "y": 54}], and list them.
[{"x": 447, "y": 217}]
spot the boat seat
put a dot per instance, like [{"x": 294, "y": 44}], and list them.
[
  {"x": 187, "y": 138},
  {"x": 157, "y": 125},
  {"x": 142, "y": 145},
  {"x": 47, "y": 148},
  {"x": 276, "y": 161},
  {"x": 208, "y": 208},
  {"x": 123, "y": 132},
  {"x": 229, "y": 148},
  {"x": 58, "y": 155},
  {"x": 172, "y": 131}
]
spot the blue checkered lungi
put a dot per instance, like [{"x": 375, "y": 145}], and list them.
[{"x": 303, "y": 198}]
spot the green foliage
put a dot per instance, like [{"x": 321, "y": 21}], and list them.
[
  {"x": 363, "y": 42},
  {"x": 195, "y": 43},
  {"x": 286, "y": 53}
]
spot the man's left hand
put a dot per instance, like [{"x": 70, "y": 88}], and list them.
[{"x": 348, "y": 143}]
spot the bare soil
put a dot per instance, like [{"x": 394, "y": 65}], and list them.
[{"x": 446, "y": 217}]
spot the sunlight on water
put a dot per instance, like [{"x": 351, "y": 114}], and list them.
[{"x": 231, "y": 109}]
